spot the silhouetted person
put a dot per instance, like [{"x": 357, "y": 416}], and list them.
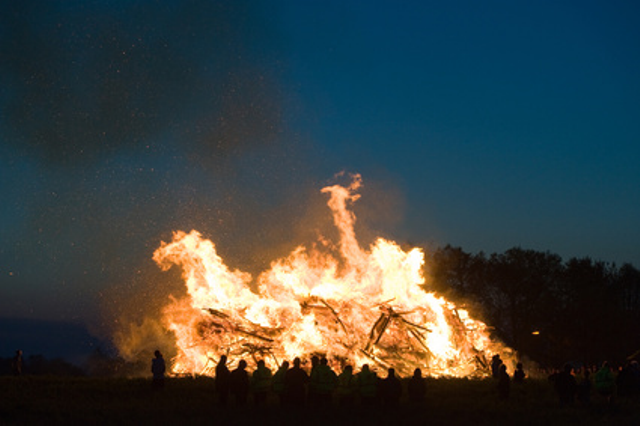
[
  {"x": 519, "y": 375},
  {"x": 390, "y": 389},
  {"x": 367, "y": 385},
  {"x": 261, "y": 382},
  {"x": 158, "y": 369},
  {"x": 278, "y": 381},
  {"x": 239, "y": 383},
  {"x": 584, "y": 386},
  {"x": 605, "y": 382},
  {"x": 347, "y": 387},
  {"x": 312, "y": 396},
  {"x": 628, "y": 380},
  {"x": 222, "y": 380},
  {"x": 565, "y": 385},
  {"x": 325, "y": 381},
  {"x": 496, "y": 362},
  {"x": 417, "y": 387},
  {"x": 295, "y": 382},
  {"x": 634, "y": 368},
  {"x": 504, "y": 383},
  {"x": 16, "y": 363}
]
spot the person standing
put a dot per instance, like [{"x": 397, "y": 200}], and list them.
[
  {"x": 347, "y": 387},
  {"x": 222, "y": 380},
  {"x": 239, "y": 383},
  {"x": 605, "y": 382},
  {"x": 158, "y": 369},
  {"x": 496, "y": 362},
  {"x": 326, "y": 382},
  {"x": 261, "y": 382},
  {"x": 16, "y": 364},
  {"x": 295, "y": 383},
  {"x": 367, "y": 385},
  {"x": 583, "y": 381},
  {"x": 391, "y": 389},
  {"x": 278, "y": 381},
  {"x": 566, "y": 386},
  {"x": 504, "y": 383},
  {"x": 519, "y": 374},
  {"x": 417, "y": 387},
  {"x": 312, "y": 388}
]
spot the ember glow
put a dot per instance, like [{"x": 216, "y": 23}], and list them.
[{"x": 354, "y": 306}]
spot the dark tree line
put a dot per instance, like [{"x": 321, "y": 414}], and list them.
[{"x": 551, "y": 310}]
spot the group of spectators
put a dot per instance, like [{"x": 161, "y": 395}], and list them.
[
  {"x": 499, "y": 372},
  {"x": 576, "y": 383},
  {"x": 573, "y": 383},
  {"x": 293, "y": 386}
]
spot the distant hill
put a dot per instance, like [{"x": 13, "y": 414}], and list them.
[{"x": 51, "y": 339}]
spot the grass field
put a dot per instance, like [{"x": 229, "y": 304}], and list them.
[{"x": 191, "y": 401}]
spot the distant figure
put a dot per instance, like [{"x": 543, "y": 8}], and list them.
[
  {"x": 367, "y": 385},
  {"x": 391, "y": 389},
  {"x": 605, "y": 382},
  {"x": 504, "y": 383},
  {"x": 222, "y": 380},
  {"x": 635, "y": 370},
  {"x": 261, "y": 383},
  {"x": 584, "y": 387},
  {"x": 295, "y": 382},
  {"x": 239, "y": 383},
  {"x": 496, "y": 362},
  {"x": 16, "y": 363},
  {"x": 347, "y": 387},
  {"x": 278, "y": 381},
  {"x": 625, "y": 381},
  {"x": 158, "y": 369},
  {"x": 417, "y": 387},
  {"x": 565, "y": 385},
  {"x": 519, "y": 375}
]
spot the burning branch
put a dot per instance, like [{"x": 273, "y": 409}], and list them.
[{"x": 335, "y": 314}]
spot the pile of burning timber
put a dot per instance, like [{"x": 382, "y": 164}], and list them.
[{"x": 392, "y": 342}]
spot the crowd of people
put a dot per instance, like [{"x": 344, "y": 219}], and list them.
[
  {"x": 577, "y": 383},
  {"x": 293, "y": 386}
]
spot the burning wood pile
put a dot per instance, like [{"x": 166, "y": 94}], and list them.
[{"x": 367, "y": 307}]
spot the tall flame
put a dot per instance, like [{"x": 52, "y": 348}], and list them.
[{"x": 366, "y": 306}]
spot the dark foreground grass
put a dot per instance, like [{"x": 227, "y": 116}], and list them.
[{"x": 186, "y": 401}]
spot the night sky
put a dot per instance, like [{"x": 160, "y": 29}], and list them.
[{"x": 484, "y": 125}]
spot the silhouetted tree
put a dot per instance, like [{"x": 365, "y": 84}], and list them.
[
  {"x": 583, "y": 309},
  {"x": 519, "y": 283}
]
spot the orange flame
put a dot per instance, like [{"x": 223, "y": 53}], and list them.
[{"x": 366, "y": 307}]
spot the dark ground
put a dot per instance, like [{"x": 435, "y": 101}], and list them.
[{"x": 187, "y": 401}]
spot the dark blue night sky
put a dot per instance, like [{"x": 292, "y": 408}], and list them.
[{"x": 484, "y": 125}]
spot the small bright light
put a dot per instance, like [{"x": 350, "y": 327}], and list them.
[{"x": 535, "y": 333}]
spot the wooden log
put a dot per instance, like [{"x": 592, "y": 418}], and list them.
[
  {"x": 415, "y": 325},
  {"x": 257, "y": 336},
  {"x": 335, "y": 314},
  {"x": 383, "y": 328}
]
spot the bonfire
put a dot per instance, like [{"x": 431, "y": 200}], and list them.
[{"x": 352, "y": 305}]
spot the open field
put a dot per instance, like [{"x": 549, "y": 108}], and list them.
[{"x": 56, "y": 400}]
